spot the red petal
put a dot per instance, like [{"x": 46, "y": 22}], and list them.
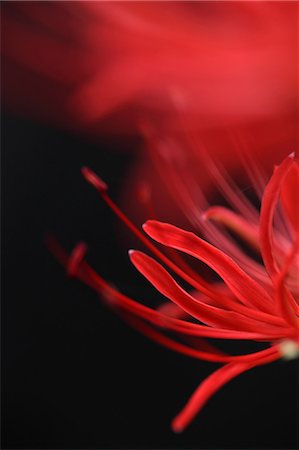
[
  {"x": 211, "y": 385},
  {"x": 206, "y": 354},
  {"x": 286, "y": 304},
  {"x": 88, "y": 276},
  {"x": 206, "y": 313},
  {"x": 269, "y": 203},
  {"x": 245, "y": 288},
  {"x": 290, "y": 195},
  {"x": 236, "y": 223}
]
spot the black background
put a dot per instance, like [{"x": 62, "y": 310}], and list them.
[{"x": 74, "y": 375}]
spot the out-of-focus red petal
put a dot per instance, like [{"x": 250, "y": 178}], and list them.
[
  {"x": 114, "y": 58},
  {"x": 246, "y": 230},
  {"x": 77, "y": 256}
]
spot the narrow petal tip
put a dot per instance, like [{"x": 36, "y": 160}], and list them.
[
  {"x": 136, "y": 256},
  {"x": 94, "y": 179},
  {"x": 176, "y": 427},
  {"x": 146, "y": 227},
  {"x": 76, "y": 257},
  {"x": 211, "y": 213},
  {"x": 149, "y": 227},
  {"x": 148, "y": 224},
  {"x": 131, "y": 252},
  {"x": 292, "y": 155}
]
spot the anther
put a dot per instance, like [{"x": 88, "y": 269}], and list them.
[
  {"x": 94, "y": 179},
  {"x": 289, "y": 349}
]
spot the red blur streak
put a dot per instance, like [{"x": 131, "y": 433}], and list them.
[{"x": 76, "y": 64}]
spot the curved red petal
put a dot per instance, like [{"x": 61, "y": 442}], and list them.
[
  {"x": 290, "y": 195},
  {"x": 206, "y": 313},
  {"x": 269, "y": 203},
  {"x": 245, "y": 288},
  {"x": 212, "y": 384},
  {"x": 243, "y": 228}
]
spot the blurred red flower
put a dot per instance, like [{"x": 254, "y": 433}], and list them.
[{"x": 77, "y": 64}]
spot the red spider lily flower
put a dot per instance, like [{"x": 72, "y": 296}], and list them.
[{"x": 255, "y": 301}]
